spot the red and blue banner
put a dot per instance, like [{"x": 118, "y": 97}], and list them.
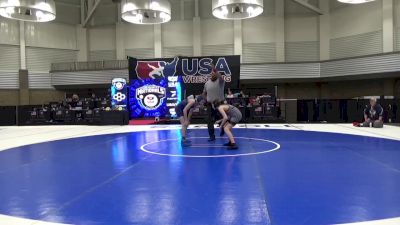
[
  {"x": 157, "y": 85},
  {"x": 193, "y": 71},
  {"x": 148, "y": 98}
]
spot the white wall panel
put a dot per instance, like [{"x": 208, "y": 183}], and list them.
[
  {"x": 138, "y": 36},
  {"x": 357, "y": 45},
  {"x": 175, "y": 9},
  {"x": 9, "y": 79},
  {"x": 366, "y": 65},
  {"x": 9, "y": 57},
  {"x": 40, "y": 59},
  {"x": 397, "y": 40},
  {"x": 177, "y": 33},
  {"x": 259, "y": 52},
  {"x": 50, "y": 35},
  {"x": 68, "y": 13},
  {"x": 378, "y": 64},
  {"x": 356, "y": 19},
  {"x": 105, "y": 14},
  {"x": 280, "y": 71},
  {"x": 205, "y": 9},
  {"x": 140, "y": 53},
  {"x": 396, "y": 21},
  {"x": 259, "y": 30},
  {"x": 9, "y": 31},
  {"x": 102, "y": 55},
  {"x": 87, "y": 77},
  {"x": 302, "y": 51},
  {"x": 217, "y": 32},
  {"x": 39, "y": 80},
  {"x": 170, "y": 52},
  {"x": 269, "y": 8},
  {"x": 303, "y": 27},
  {"x": 396, "y": 14},
  {"x": 217, "y": 50},
  {"x": 189, "y": 10},
  {"x": 102, "y": 38}
]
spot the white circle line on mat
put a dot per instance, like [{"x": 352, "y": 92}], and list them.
[{"x": 277, "y": 147}]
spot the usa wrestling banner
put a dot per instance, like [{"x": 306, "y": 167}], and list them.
[{"x": 193, "y": 71}]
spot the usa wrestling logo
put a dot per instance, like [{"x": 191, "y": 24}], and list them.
[
  {"x": 155, "y": 69},
  {"x": 151, "y": 97}
]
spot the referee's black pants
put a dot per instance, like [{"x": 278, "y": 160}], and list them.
[{"x": 212, "y": 116}]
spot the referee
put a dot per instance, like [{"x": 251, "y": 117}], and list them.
[{"x": 214, "y": 93}]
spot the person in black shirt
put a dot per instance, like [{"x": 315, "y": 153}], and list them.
[
  {"x": 373, "y": 115},
  {"x": 93, "y": 103}
]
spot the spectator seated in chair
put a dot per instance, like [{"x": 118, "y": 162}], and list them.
[
  {"x": 373, "y": 115},
  {"x": 230, "y": 94},
  {"x": 74, "y": 101}
]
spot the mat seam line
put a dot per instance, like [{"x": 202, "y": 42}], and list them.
[{"x": 263, "y": 190}]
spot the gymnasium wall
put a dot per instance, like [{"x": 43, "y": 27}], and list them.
[
  {"x": 102, "y": 43},
  {"x": 301, "y": 33},
  {"x": 10, "y": 97},
  {"x": 338, "y": 89},
  {"x": 45, "y": 44},
  {"x": 355, "y": 30},
  {"x": 397, "y": 24},
  {"x": 349, "y": 36},
  {"x": 9, "y": 54}
]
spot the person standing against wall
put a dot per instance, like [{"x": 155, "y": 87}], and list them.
[{"x": 213, "y": 92}]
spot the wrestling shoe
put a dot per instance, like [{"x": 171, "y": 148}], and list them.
[
  {"x": 227, "y": 144},
  {"x": 211, "y": 139},
  {"x": 233, "y": 146},
  {"x": 186, "y": 143}
]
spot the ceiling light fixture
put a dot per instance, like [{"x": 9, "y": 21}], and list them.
[
  {"x": 28, "y": 10},
  {"x": 355, "y": 1},
  {"x": 237, "y": 9},
  {"x": 146, "y": 11}
]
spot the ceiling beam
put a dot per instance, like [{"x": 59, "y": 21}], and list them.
[
  {"x": 91, "y": 12},
  {"x": 307, "y": 5},
  {"x": 83, "y": 11}
]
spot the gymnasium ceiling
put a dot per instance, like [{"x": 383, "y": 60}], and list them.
[{"x": 68, "y": 11}]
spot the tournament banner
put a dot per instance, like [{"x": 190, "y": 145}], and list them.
[
  {"x": 119, "y": 93},
  {"x": 193, "y": 71},
  {"x": 148, "y": 98}
]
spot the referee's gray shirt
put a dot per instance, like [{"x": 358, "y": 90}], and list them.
[{"x": 215, "y": 90}]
